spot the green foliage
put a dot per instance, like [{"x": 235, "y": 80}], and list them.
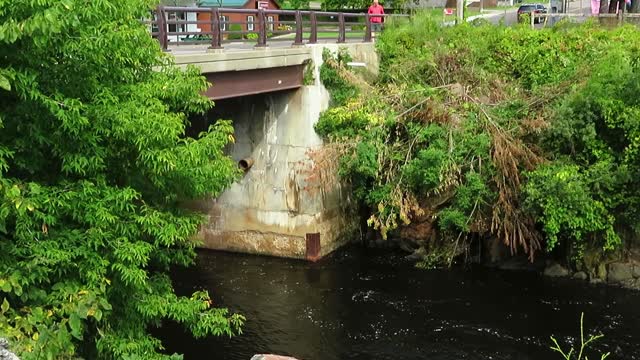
[
  {"x": 236, "y": 27},
  {"x": 560, "y": 195},
  {"x": 309, "y": 78},
  {"x": 527, "y": 135},
  {"x": 433, "y": 260},
  {"x": 93, "y": 163},
  {"x": 342, "y": 91},
  {"x": 345, "y": 4},
  {"x": 598, "y": 129},
  {"x": 295, "y": 4},
  {"x": 584, "y": 345},
  {"x": 347, "y": 121}
]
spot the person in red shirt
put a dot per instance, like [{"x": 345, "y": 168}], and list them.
[{"x": 376, "y": 21}]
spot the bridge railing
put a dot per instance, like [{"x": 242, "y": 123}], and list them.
[{"x": 176, "y": 25}]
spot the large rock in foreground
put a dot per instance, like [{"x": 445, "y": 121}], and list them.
[{"x": 5, "y": 354}]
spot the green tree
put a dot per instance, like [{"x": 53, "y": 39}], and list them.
[
  {"x": 93, "y": 162},
  {"x": 296, "y": 4},
  {"x": 345, "y": 4}
]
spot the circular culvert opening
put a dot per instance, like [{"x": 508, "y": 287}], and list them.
[{"x": 245, "y": 164}]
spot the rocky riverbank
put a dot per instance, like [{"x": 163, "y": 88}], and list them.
[
  {"x": 620, "y": 268},
  {"x": 625, "y": 274}
]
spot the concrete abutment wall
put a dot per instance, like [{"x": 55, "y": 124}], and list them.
[{"x": 273, "y": 207}]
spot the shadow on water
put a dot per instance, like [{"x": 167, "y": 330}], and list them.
[{"x": 367, "y": 304}]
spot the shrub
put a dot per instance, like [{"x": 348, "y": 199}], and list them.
[
  {"x": 527, "y": 135},
  {"x": 94, "y": 162}
]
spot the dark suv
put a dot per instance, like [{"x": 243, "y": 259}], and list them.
[{"x": 529, "y": 9}]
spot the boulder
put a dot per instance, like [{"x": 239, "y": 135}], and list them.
[
  {"x": 631, "y": 284},
  {"x": 601, "y": 271},
  {"x": 417, "y": 231},
  {"x": 580, "y": 275},
  {"x": 595, "y": 281},
  {"x": 5, "y": 354},
  {"x": 636, "y": 271},
  {"x": 417, "y": 255},
  {"x": 619, "y": 272},
  {"x": 556, "y": 270}
]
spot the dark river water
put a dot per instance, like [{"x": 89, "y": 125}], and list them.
[{"x": 370, "y": 304}]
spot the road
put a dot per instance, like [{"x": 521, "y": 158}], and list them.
[{"x": 510, "y": 16}]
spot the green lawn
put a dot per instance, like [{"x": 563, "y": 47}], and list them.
[
  {"x": 326, "y": 35},
  {"x": 439, "y": 13}
]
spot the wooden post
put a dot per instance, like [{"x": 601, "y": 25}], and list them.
[
  {"x": 262, "y": 29},
  {"x": 532, "y": 20},
  {"x": 163, "y": 37},
  {"x": 341, "y": 29},
  {"x": 312, "y": 252},
  {"x": 298, "y": 40},
  {"x": 367, "y": 30},
  {"x": 313, "y": 37},
  {"x": 216, "y": 37}
]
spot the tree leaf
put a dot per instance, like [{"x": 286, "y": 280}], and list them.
[
  {"x": 75, "y": 324},
  {"x": 5, "y": 306},
  {"x": 4, "y": 83},
  {"x": 98, "y": 314}
]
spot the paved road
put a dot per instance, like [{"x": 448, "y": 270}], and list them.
[{"x": 510, "y": 16}]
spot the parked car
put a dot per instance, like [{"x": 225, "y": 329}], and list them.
[{"x": 529, "y": 9}]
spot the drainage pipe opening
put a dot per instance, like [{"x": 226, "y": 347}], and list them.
[{"x": 245, "y": 164}]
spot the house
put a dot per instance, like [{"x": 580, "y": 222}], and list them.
[{"x": 245, "y": 22}]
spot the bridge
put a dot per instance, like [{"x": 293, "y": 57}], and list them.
[
  {"x": 265, "y": 51},
  {"x": 264, "y": 66}
]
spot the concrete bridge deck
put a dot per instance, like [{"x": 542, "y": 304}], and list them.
[{"x": 248, "y": 46}]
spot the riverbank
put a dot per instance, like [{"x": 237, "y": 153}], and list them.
[{"x": 479, "y": 143}]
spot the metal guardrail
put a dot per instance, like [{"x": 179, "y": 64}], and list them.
[{"x": 264, "y": 27}]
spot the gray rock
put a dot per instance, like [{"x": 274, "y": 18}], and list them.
[
  {"x": 556, "y": 270},
  {"x": 5, "y": 354},
  {"x": 631, "y": 284},
  {"x": 619, "y": 272},
  {"x": 596, "y": 281},
  {"x": 580, "y": 275},
  {"x": 417, "y": 255},
  {"x": 636, "y": 271}
]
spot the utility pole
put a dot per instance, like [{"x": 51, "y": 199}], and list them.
[{"x": 460, "y": 10}]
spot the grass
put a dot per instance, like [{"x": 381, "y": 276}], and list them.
[
  {"x": 438, "y": 13},
  {"x": 327, "y": 35}
]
